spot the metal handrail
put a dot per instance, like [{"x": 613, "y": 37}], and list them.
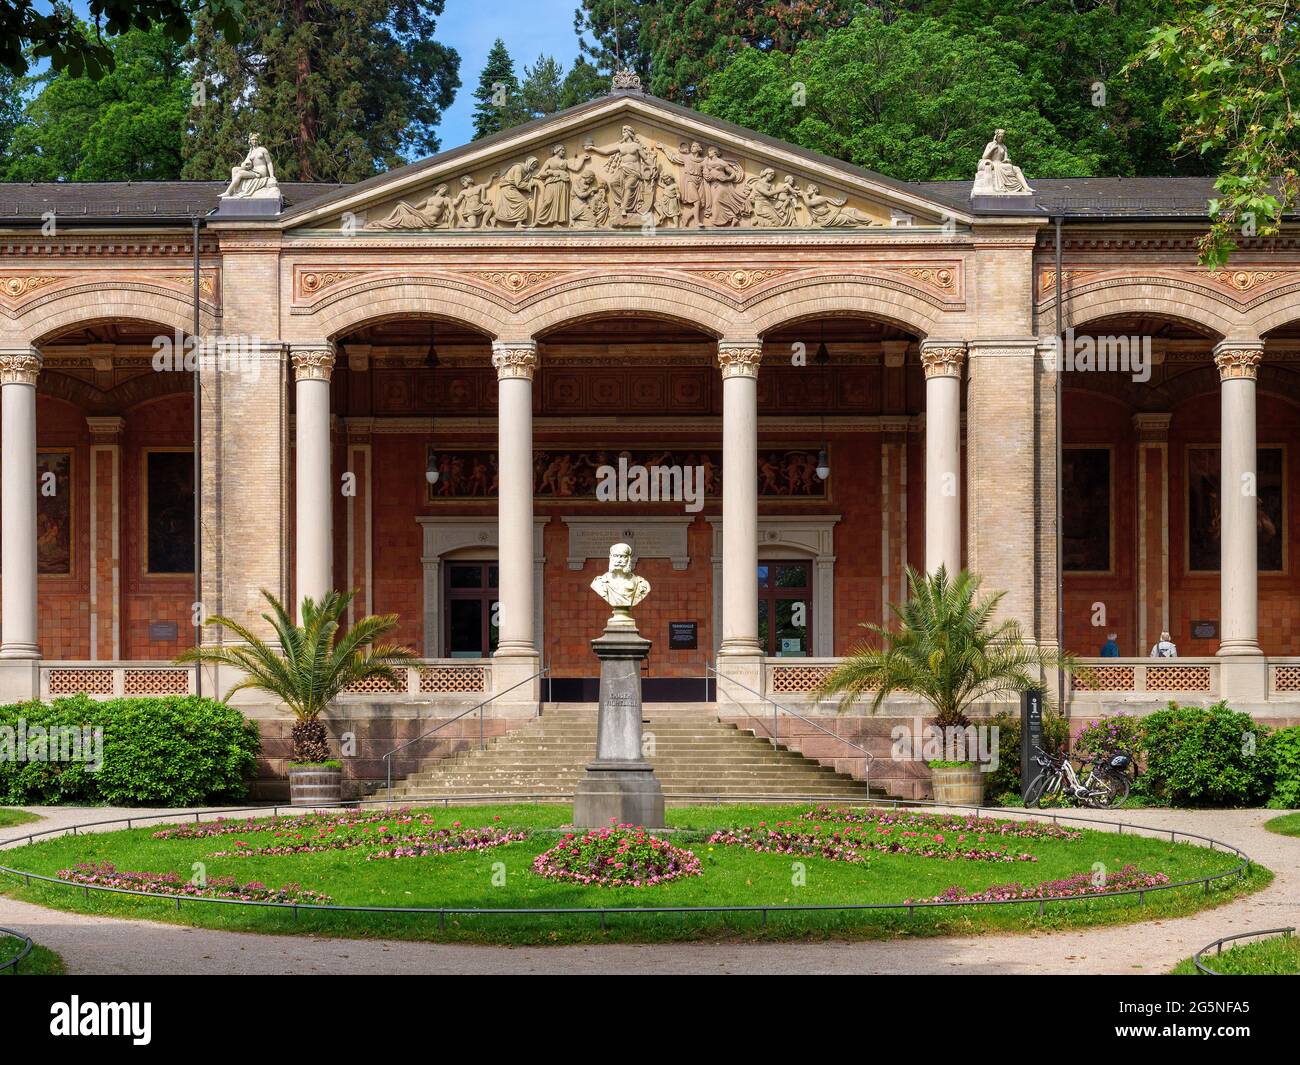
[
  {"x": 867, "y": 756},
  {"x": 26, "y": 940},
  {"x": 1201, "y": 967},
  {"x": 388, "y": 758}
]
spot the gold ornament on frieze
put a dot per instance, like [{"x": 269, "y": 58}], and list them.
[
  {"x": 739, "y": 359},
  {"x": 314, "y": 281},
  {"x": 515, "y": 281},
  {"x": 17, "y": 285},
  {"x": 514, "y": 360},
  {"x": 207, "y": 283},
  {"x": 1244, "y": 280},
  {"x": 19, "y": 369},
  {"x": 938, "y": 276},
  {"x": 1238, "y": 363},
  {"x": 739, "y": 280}
]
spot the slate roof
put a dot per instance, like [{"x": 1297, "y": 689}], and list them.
[
  {"x": 130, "y": 200},
  {"x": 1097, "y": 197}
]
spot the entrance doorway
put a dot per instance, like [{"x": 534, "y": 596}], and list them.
[
  {"x": 471, "y": 609},
  {"x": 785, "y": 608}
]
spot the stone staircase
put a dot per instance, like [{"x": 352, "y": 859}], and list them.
[{"x": 694, "y": 755}]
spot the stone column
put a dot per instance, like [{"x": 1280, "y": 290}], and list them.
[
  {"x": 105, "y": 536},
  {"x": 943, "y": 361},
  {"x": 515, "y": 362},
  {"x": 18, "y": 371},
  {"x": 1153, "y": 534},
  {"x": 313, "y": 365},
  {"x": 739, "y": 360},
  {"x": 1238, "y": 566}
]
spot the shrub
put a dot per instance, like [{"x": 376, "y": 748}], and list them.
[
  {"x": 1284, "y": 747},
  {"x": 1006, "y": 778},
  {"x": 1206, "y": 756},
  {"x": 1120, "y": 734},
  {"x": 165, "y": 751}
]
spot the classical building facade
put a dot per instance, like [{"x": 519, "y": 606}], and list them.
[{"x": 781, "y": 378}]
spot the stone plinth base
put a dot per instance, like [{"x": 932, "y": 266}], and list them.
[{"x": 625, "y": 794}]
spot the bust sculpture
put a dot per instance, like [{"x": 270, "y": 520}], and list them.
[
  {"x": 620, "y": 587},
  {"x": 996, "y": 175},
  {"x": 254, "y": 178}
]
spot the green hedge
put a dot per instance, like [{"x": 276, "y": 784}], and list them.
[
  {"x": 1205, "y": 756},
  {"x": 164, "y": 751},
  {"x": 1285, "y": 747}
]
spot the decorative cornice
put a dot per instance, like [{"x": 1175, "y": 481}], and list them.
[
  {"x": 312, "y": 362},
  {"x": 1152, "y": 426},
  {"x": 739, "y": 358},
  {"x": 514, "y": 358},
  {"x": 105, "y": 428},
  {"x": 1238, "y": 360},
  {"x": 19, "y": 369},
  {"x": 942, "y": 358}
]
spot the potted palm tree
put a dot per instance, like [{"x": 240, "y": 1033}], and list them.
[
  {"x": 312, "y": 664},
  {"x": 944, "y": 647}
]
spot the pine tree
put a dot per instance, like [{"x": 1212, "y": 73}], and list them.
[
  {"x": 583, "y": 82},
  {"x": 338, "y": 89},
  {"x": 500, "y": 101},
  {"x": 619, "y": 32},
  {"x": 543, "y": 83}
]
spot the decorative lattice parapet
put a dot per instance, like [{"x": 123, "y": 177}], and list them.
[
  {"x": 372, "y": 686},
  {"x": 1106, "y": 679},
  {"x": 943, "y": 358},
  {"x": 1238, "y": 360},
  {"x": 1286, "y": 678},
  {"x": 798, "y": 680},
  {"x": 453, "y": 679},
  {"x": 515, "y": 358},
  {"x": 74, "y": 681},
  {"x": 156, "y": 681},
  {"x": 1178, "y": 679},
  {"x": 739, "y": 358}
]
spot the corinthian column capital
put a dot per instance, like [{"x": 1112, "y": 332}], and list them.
[
  {"x": 19, "y": 366},
  {"x": 943, "y": 358},
  {"x": 739, "y": 358},
  {"x": 1237, "y": 359},
  {"x": 514, "y": 358},
  {"x": 312, "y": 362}
]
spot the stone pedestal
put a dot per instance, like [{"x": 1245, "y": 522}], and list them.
[{"x": 620, "y": 784}]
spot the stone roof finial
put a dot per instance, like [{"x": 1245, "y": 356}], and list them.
[{"x": 625, "y": 80}]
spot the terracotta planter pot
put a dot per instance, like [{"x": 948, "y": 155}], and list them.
[
  {"x": 315, "y": 785},
  {"x": 961, "y": 785}
]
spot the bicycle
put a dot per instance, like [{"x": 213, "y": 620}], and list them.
[{"x": 1104, "y": 782}]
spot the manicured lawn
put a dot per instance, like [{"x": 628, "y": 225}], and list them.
[
  {"x": 1275, "y": 956},
  {"x": 1286, "y": 825},
  {"x": 501, "y": 877},
  {"x": 10, "y": 816},
  {"x": 40, "y": 962}
]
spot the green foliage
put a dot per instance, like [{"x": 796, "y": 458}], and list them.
[
  {"x": 164, "y": 751},
  {"x": 314, "y": 662},
  {"x": 1205, "y": 756},
  {"x": 913, "y": 98},
  {"x": 126, "y": 126},
  {"x": 583, "y": 82},
  {"x": 944, "y": 648},
  {"x": 1006, "y": 778},
  {"x": 338, "y": 89},
  {"x": 618, "y": 33},
  {"x": 60, "y": 36},
  {"x": 1118, "y": 734},
  {"x": 500, "y": 100},
  {"x": 542, "y": 86},
  {"x": 1284, "y": 746},
  {"x": 1232, "y": 64}
]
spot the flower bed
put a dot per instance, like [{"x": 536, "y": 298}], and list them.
[
  {"x": 853, "y": 844},
  {"x": 323, "y": 824},
  {"x": 970, "y": 825},
  {"x": 444, "y": 841},
  {"x": 1081, "y": 884},
  {"x": 105, "y": 874},
  {"x": 435, "y": 841},
  {"x": 618, "y": 856}
]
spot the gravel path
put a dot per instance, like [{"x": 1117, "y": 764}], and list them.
[{"x": 104, "y": 945}]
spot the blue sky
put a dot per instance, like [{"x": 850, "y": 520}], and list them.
[{"x": 529, "y": 27}]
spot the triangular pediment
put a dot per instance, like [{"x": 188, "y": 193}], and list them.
[{"x": 628, "y": 163}]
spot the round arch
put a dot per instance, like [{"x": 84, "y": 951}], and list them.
[
  {"x": 1184, "y": 302},
  {"x": 407, "y": 297},
  {"x": 52, "y": 314},
  {"x": 667, "y": 299},
  {"x": 882, "y": 299},
  {"x": 1281, "y": 308}
]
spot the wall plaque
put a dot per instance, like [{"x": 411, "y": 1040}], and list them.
[
  {"x": 1205, "y": 630},
  {"x": 683, "y": 635},
  {"x": 162, "y": 630},
  {"x": 652, "y": 536}
]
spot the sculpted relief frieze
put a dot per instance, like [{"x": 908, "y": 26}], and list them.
[{"x": 628, "y": 176}]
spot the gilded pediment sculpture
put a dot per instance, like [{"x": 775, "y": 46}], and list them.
[{"x": 632, "y": 181}]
